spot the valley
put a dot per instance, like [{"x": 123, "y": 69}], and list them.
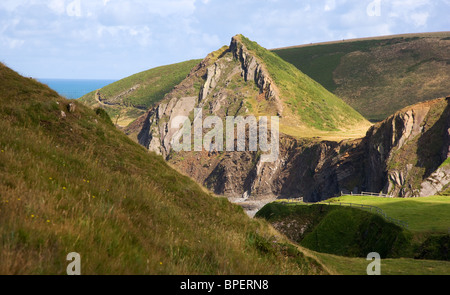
[{"x": 103, "y": 176}]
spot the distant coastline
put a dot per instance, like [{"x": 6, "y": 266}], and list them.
[{"x": 75, "y": 88}]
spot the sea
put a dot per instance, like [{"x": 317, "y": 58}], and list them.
[{"x": 75, "y": 88}]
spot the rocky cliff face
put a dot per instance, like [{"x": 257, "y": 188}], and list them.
[
  {"x": 405, "y": 152},
  {"x": 402, "y": 156}
]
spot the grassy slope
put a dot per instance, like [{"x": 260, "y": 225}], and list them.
[
  {"x": 430, "y": 216},
  {"x": 153, "y": 85},
  {"x": 314, "y": 105},
  {"x": 398, "y": 266},
  {"x": 378, "y": 76},
  {"x": 427, "y": 214},
  {"x": 338, "y": 230},
  {"x": 78, "y": 184}
]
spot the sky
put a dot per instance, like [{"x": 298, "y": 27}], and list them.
[{"x": 112, "y": 39}]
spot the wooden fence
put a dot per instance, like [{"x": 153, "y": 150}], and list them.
[
  {"x": 372, "y": 209},
  {"x": 367, "y": 194}
]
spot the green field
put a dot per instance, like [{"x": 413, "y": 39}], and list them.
[
  {"x": 398, "y": 266},
  {"x": 378, "y": 76},
  {"x": 320, "y": 61},
  {"x": 427, "y": 214},
  {"x": 335, "y": 234}
]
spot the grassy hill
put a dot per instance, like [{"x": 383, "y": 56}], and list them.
[
  {"x": 389, "y": 266},
  {"x": 71, "y": 182},
  {"x": 337, "y": 230},
  {"x": 339, "y": 234},
  {"x": 427, "y": 214},
  {"x": 311, "y": 110},
  {"x": 127, "y": 99},
  {"x": 308, "y": 104},
  {"x": 378, "y": 76}
]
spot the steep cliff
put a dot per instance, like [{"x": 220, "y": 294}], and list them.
[
  {"x": 405, "y": 155},
  {"x": 402, "y": 156},
  {"x": 406, "y": 152},
  {"x": 240, "y": 80}
]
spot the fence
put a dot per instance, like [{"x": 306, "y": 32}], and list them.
[
  {"x": 367, "y": 194},
  {"x": 371, "y": 208}
]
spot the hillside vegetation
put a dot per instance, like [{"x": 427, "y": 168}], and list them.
[
  {"x": 128, "y": 98},
  {"x": 307, "y": 103},
  {"x": 340, "y": 233},
  {"x": 378, "y": 76},
  {"x": 337, "y": 230},
  {"x": 71, "y": 182},
  {"x": 426, "y": 214}
]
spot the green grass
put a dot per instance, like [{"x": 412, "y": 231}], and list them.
[
  {"x": 446, "y": 162},
  {"x": 150, "y": 85},
  {"x": 338, "y": 230},
  {"x": 77, "y": 184},
  {"x": 316, "y": 106},
  {"x": 427, "y": 214},
  {"x": 334, "y": 235},
  {"x": 389, "y": 266},
  {"x": 319, "y": 61},
  {"x": 377, "y": 77}
]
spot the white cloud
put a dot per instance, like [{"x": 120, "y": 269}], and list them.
[
  {"x": 211, "y": 40},
  {"x": 420, "y": 19},
  {"x": 330, "y": 5},
  {"x": 10, "y": 5},
  {"x": 139, "y": 34},
  {"x": 57, "y": 6},
  {"x": 12, "y": 43},
  {"x": 413, "y": 12}
]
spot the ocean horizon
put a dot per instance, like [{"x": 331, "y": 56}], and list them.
[{"x": 75, "y": 88}]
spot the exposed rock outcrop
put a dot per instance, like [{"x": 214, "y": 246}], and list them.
[
  {"x": 400, "y": 156},
  {"x": 407, "y": 148},
  {"x": 254, "y": 70}
]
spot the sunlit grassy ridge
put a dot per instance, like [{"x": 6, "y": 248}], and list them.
[
  {"x": 75, "y": 183},
  {"x": 391, "y": 266},
  {"x": 341, "y": 232},
  {"x": 378, "y": 76},
  {"x": 128, "y": 98},
  {"x": 427, "y": 214},
  {"x": 337, "y": 230},
  {"x": 314, "y": 105}
]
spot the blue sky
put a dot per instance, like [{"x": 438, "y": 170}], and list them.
[{"x": 112, "y": 39}]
